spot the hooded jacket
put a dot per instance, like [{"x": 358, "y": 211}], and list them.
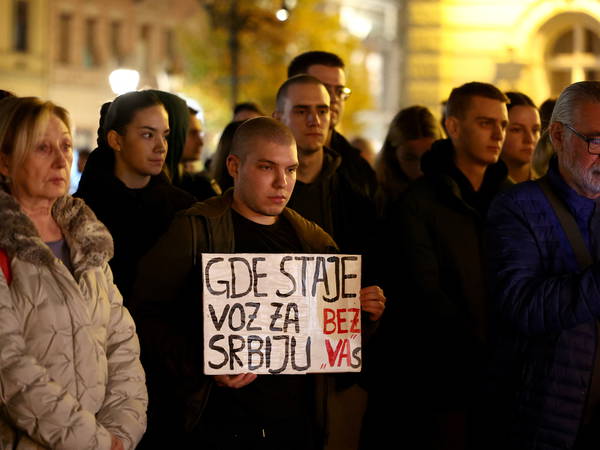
[
  {"x": 179, "y": 118},
  {"x": 135, "y": 217},
  {"x": 354, "y": 165},
  {"x": 438, "y": 233},
  {"x": 347, "y": 210},
  {"x": 70, "y": 374}
]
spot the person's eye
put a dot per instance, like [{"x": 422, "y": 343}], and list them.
[
  {"x": 514, "y": 129},
  {"x": 67, "y": 146},
  {"x": 147, "y": 135},
  {"x": 44, "y": 147},
  {"x": 292, "y": 169}
]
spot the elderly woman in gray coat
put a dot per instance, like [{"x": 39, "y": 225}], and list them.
[{"x": 70, "y": 375}]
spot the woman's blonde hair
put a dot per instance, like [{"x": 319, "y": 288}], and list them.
[{"x": 23, "y": 121}]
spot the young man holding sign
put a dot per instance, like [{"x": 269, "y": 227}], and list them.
[{"x": 243, "y": 410}]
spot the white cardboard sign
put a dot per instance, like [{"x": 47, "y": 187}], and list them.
[{"x": 281, "y": 313}]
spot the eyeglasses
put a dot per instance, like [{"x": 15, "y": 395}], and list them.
[
  {"x": 341, "y": 92},
  {"x": 593, "y": 142}
]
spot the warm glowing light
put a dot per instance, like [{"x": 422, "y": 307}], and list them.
[
  {"x": 123, "y": 80},
  {"x": 357, "y": 24},
  {"x": 282, "y": 15}
]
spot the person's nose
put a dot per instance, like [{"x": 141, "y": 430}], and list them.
[
  {"x": 162, "y": 145},
  {"x": 498, "y": 132},
  {"x": 334, "y": 98},
  {"x": 60, "y": 157},
  {"x": 528, "y": 138},
  {"x": 312, "y": 118},
  {"x": 280, "y": 179}
]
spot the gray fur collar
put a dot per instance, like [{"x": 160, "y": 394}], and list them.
[{"x": 89, "y": 241}]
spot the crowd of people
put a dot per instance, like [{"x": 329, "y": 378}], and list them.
[{"x": 478, "y": 235}]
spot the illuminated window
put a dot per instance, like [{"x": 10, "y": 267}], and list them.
[
  {"x": 572, "y": 57},
  {"x": 64, "y": 33},
  {"x": 90, "y": 52},
  {"x": 115, "y": 42},
  {"x": 170, "y": 50},
  {"x": 21, "y": 29},
  {"x": 144, "y": 47}
]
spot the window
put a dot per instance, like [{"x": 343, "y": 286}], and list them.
[
  {"x": 170, "y": 50},
  {"x": 21, "y": 29},
  {"x": 115, "y": 42},
  {"x": 90, "y": 52},
  {"x": 572, "y": 57},
  {"x": 144, "y": 47},
  {"x": 64, "y": 34}
]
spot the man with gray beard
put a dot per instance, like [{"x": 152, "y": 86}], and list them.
[{"x": 544, "y": 265}]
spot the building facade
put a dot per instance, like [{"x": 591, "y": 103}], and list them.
[
  {"x": 534, "y": 46},
  {"x": 65, "y": 50}
]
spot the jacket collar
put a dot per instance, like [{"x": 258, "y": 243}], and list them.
[
  {"x": 98, "y": 176},
  {"x": 218, "y": 206},
  {"x": 218, "y": 210},
  {"x": 88, "y": 239},
  {"x": 438, "y": 164}
]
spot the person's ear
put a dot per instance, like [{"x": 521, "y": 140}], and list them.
[
  {"x": 4, "y": 164},
  {"x": 114, "y": 140},
  {"x": 452, "y": 126},
  {"x": 557, "y": 134},
  {"x": 233, "y": 165}
]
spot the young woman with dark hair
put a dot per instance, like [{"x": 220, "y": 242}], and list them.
[{"x": 123, "y": 181}]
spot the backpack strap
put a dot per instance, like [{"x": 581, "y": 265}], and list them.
[
  {"x": 582, "y": 254},
  {"x": 5, "y": 265}
]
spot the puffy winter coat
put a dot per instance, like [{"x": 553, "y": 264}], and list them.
[
  {"x": 70, "y": 374},
  {"x": 543, "y": 315}
]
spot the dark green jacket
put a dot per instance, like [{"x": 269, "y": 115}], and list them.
[{"x": 167, "y": 308}]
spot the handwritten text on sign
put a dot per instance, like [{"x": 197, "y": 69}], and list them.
[{"x": 281, "y": 313}]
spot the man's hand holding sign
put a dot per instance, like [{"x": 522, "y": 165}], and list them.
[{"x": 283, "y": 313}]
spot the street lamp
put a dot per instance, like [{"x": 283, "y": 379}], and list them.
[
  {"x": 282, "y": 14},
  {"x": 123, "y": 80}
]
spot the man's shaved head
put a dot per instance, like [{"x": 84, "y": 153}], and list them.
[
  {"x": 259, "y": 128},
  {"x": 282, "y": 93}
]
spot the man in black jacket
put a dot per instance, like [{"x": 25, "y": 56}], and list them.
[
  {"x": 325, "y": 192},
  {"x": 438, "y": 230},
  {"x": 329, "y": 195},
  {"x": 329, "y": 69}
]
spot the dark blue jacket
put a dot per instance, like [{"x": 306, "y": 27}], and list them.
[{"x": 543, "y": 318}]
